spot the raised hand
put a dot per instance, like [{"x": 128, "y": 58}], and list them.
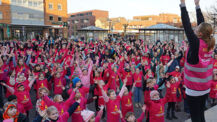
[
  {"x": 78, "y": 100},
  {"x": 143, "y": 108},
  {"x": 168, "y": 84},
  {"x": 182, "y": 1},
  {"x": 101, "y": 107},
  {"x": 3, "y": 84}
]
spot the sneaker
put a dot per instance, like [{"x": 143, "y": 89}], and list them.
[
  {"x": 137, "y": 105},
  {"x": 140, "y": 105}
]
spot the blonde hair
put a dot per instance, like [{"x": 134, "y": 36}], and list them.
[
  {"x": 207, "y": 31},
  {"x": 51, "y": 109},
  {"x": 55, "y": 99},
  {"x": 41, "y": 89}
]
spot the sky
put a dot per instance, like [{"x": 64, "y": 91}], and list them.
[{"x": 130, "y": 8}]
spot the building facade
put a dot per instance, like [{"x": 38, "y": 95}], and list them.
[
  {"x": 144, "y": 21},
  {"x": 25, "y": 19},
  {"x": 55, "y": 18},
  {"x": 79, "y": 20}
]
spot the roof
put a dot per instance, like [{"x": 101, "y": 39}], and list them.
[
  {"x": 161, "y": 27},
  {"x": 80, "y": 12},
  {"x": 92, "y": 28}
]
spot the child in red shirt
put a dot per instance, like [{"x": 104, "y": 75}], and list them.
[
  {"x": 113, "y": 103},
  {"x": 172, "y": 97},
  {"x": 23, "y": 94},
  {"x": 138, "y": 76},
  {"x": 130, "y": 116},
  {"x": 59, "y": 83},
  {"x": 213, "y": 91},
  {"x": 156, "y": 105},
  {"x": 126, "y": 101}
]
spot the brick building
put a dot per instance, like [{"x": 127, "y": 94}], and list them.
[
  {"x": 144, "y": 21},
  {"x": 55, "y": 16},
  {"x": 25, "y": 19},
  {"x": 84, "y": 19}
]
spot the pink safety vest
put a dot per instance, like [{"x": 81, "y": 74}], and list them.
[{"x": 199, "y": 76}]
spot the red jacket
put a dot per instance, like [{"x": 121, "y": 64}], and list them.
[
  {"x": 138, "y": 78},
  {"x": 63, "y": 106},
  {"x": 127, "y": 103},
  {"x": 174, "y": 89},
  {"x": 156, "y": 108},
  {"x": 165, "y": 59},
  {"x": 58, "y": 84},
  {"x": 127, "y": 75}
]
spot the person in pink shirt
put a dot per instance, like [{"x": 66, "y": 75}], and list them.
[{"x": 84, "y": 74}]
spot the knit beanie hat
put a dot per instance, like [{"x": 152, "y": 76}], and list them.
[
  {"x": 75, "y": 81},
  {"x": 152, "y": 93},
  {"x": 87, "y": 114}
]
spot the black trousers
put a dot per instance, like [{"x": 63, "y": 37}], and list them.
[
  {"x": 1, "y": 96},
  {"x": 197, "y": 107},
  {"x": 171, "y": 107}
]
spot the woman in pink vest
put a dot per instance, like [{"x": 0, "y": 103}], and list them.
[{"x": 198, "y": 65}]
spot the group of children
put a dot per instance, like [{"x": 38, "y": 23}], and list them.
[{"x": 68, "y": 75}]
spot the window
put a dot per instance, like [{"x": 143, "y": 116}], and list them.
[
  {"x": 175, "y": 20},
  {"x": 19, "y": 1},
  {"x": 40, "y": 3},
  {"x": 59, "y": 19},
  {"x": 30, "y": 3},
  {"x": 82, "y": 20},
  {"x": 35, "y": 4},
  {"x": 86, "y": 20},
  {"x": 1, "y": 16},
  {"x": 0, "y": 2},
  {"x": 31, "y": 16},
  {"x": 51, "y": 18},
  {"x": 50, "y": 6},
  {"x": 72, "y": 15},
  {"x": 76, "y": 21},
  {"x": 13, "y": 1},
  {"x": 59, "y": 7}
]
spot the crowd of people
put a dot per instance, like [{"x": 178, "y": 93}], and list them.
[{"x": 67, "y": 75}]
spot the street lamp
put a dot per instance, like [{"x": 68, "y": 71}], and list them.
[
  {"x": 125, "y": 28},
  {"x": 110, "y": 26}
]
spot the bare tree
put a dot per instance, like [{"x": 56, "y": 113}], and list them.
[{"x": 211, "y": 15}]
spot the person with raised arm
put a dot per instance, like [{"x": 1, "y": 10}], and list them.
[
  {"x": 113, "y": 103},
  {"x": 198, "y": 65}
]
